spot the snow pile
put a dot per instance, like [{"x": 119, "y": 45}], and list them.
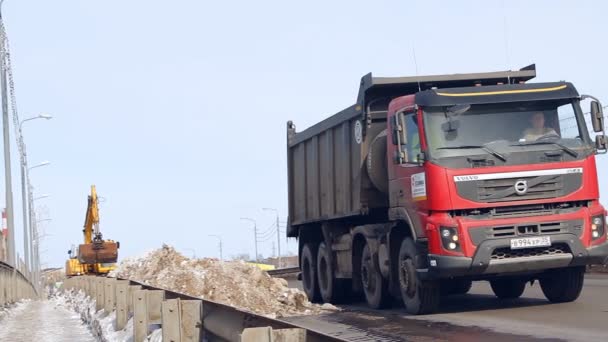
[
  {"x": 102, "y": 325},
  {"x": 234, "y": 283}
]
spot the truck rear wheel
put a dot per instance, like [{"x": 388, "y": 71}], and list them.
[
  {"x": 455, "y": 286},
  {"x": 419, "y": 297},
  {"x": 308, "y": 263},
  {"x": 564, "y": 284},
  {"x": 331, "y": 288},
  {"x": 508, "y": 288},
  {"x": 375, "y": 287}
]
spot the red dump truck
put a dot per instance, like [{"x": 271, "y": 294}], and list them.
[{"x": 428, "y": 183}]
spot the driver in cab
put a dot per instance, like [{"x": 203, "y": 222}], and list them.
[{"x": 537, "y": 129}]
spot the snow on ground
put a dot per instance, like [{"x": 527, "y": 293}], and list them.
[
  {"x": 43, "y": 320},
  {"x": 101, "y": 324},
  {"x": 234, "y": 283}
]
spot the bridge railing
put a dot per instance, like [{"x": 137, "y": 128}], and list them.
[{"x": 14, "y": 285}]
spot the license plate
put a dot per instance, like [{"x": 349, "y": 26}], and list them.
[{"x": 531, "y": 242}]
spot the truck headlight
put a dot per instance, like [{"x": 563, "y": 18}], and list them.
[
  {"x": 597, "y": 227},
  {"x": 449, "y": 238}
]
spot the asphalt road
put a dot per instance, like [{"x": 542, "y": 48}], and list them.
[{"x": 480, "y": 316}]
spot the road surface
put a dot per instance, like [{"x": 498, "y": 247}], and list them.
[
  {"x": 43, "y": 321},
  {"x": 480, "y": 316}
]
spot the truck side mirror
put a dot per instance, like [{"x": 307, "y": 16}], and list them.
[
  {"x": 601, "y": 144},
  {"x": 597, "y": 117}
]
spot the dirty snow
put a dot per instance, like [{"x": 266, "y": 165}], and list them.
[
  {"x": 45, "y": 320},
  {"x": 234, "y": 283}
]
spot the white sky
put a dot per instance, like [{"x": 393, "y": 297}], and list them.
[{"x": 176, "y": 110}]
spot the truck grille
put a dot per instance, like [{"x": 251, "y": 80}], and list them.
[
  {"x": 514, "y": 189},
  {"x": 493, "y": 190},
  {"x": 508, "y": 253}
]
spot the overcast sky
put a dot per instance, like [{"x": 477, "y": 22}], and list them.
[{"x": 176, "y": 110}]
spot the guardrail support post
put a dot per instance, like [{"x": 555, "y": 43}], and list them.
[
  {"x": 191, "y": 317},
  {"x": 99, "y": 299},
  {"x": 131, "y": 297},
  {"x": 155, "y": 299},
  {"x": 140, "y": 315},
  {"x": 171, "y": 320},
  {"x": 122, "y": 298},
  {"x": 267, "y": 334},
  {"x": 109, "y": 294}
]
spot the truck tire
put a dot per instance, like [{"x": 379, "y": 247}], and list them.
[
  {"x": 308, "y": 263},
  {"x": 419, "y": 297},
  {"x": 375, "y": 287},
  {"x": 508, "y": 288},
  {"x": 331, "y": 288},
  {"x": 564, "y": 284},
  {"x": 455, "y": 286}
]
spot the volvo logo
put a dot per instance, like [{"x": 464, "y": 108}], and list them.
[{"x": 521, "y": 187}]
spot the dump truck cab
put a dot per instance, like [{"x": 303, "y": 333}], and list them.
[{"x": 497, "y": 179}]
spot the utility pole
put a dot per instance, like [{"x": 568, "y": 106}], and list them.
[
  {"x": 255, "y": 235},
  {"x": 278, "y": 235},
  {"x": 7, "y": 160}
]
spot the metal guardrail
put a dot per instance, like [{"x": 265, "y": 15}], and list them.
[
  {"x": 14, "y": 286},
  {"x": 183, "y": 317},
  {"x": 284, "y": 271}
]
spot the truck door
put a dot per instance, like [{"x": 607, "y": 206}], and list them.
[{"x": 407, "y": 181}]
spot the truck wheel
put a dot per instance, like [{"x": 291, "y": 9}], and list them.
[
  {"x": 331, "y": 288},
  {"x": 419, "y": 297},
  {"x": 455, "y": 286},
  {"x": 508, "y": 288},
  {"x": 375, "y": 287},
  {"x": 308, "y": 263},
  {"x": 564, "y": 284}
]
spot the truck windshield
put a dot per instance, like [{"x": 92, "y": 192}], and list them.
[{"x": 499, "y": 129}]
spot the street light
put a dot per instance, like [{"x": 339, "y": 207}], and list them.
[
  {"x": 278, "y": 235},
  {"x": 255, "y": 235},
  {"x": 27, "y": 226},
  {"x": 219, "y": 238},
  {"x": 44, "y": 163},
  {"x": 41, "y": 197},
  {"x": 40, "y": 116}
]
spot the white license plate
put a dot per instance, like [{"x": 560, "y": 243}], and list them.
[{"x": 531, "y": 242}]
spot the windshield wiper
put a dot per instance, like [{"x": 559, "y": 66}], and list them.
[
  {"x": 483, "y": 147},
  {"x": 563, "y": 147}
]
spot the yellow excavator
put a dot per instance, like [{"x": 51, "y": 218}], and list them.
[{"x": 96, "y": 255}]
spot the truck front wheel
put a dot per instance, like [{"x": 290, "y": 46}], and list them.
[
  {"x": 308, "y": 263},
  {"x": 374, "y": 285},
  {"x": 508, "y": 288},
  {"x": 564, "y": 284},
  {"x": 419, "y": 297}
]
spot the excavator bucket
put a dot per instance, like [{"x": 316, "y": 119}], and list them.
[{"x": 98, "y": 252}]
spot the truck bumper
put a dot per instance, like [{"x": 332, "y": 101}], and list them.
[{"x": 496, "y": 257}]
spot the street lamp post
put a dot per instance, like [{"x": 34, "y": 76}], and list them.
[
  {"x": 7, "y": 163},
  {"x": 33, "y": 228},
  {"x": 27, "y": 230},
  {"x": 220, "y": 239},
  {"x": 255, "y": 235},
  {"x": 278, "y": 236}
]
